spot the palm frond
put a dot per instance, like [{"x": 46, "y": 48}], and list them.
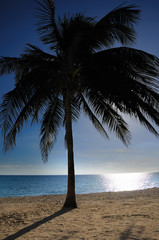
[
  {"x": 124, "y": 67},
  {"x": 14, "y": 127},
  {"x": 47, "y": 27},
  {"x": 34, "y": 51},
  {"x": 50, "y": 124},
  {"x": 75, "y": 107},
  {"x": 8, "y": 65},
  {"x": 32, "y": 58},
  {"x": 145, "y": 64},
  {"x": 128, "y": 80},
  {"x": 109, "y": 116},
  {"x": 117, "y": 26},
  {"x": 12, "y": 104},
  {"x": 30, "y": 110},
  {"x": 142, "y": 119},
  {"x": 24, "y": 102},
  {"x": 93, "y": 118},
  {"x": 17, "y": 107},
  {"x": 146, "y": 108},
  {"x": 115, "y": 123}
]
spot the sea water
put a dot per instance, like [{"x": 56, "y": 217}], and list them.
[{"x": 11, "y": 186}]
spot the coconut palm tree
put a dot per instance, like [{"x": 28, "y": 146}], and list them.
[{"x": 81, "y": 72}]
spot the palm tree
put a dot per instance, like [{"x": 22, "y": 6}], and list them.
[{"x": 82, "y": 72}]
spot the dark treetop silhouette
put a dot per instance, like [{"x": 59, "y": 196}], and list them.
[{"x": 82, "y": 73}]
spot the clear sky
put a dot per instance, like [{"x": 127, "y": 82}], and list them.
[{"x": 93, "y": 154}]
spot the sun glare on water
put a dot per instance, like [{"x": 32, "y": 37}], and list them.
[{"x": 125, "y": 181}]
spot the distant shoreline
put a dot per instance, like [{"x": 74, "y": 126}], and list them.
[{"x": 75, "y": 175}]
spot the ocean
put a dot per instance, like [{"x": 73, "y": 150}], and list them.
[{"x": 13, "y": 186}]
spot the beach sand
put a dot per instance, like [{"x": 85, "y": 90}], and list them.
[{"x": 120, "y": 215}]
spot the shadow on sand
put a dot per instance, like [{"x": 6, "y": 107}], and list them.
[
  {"x": 37, "y": 224},
  {"x": 127, "y": 234}
]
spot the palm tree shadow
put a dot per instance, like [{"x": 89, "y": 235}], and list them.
[{"x": 37, "y": 224}]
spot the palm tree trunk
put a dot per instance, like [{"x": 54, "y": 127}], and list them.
[{"x": 71, "y": 197}]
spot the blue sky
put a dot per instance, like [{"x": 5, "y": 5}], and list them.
[{"x": 93, "y": 154}]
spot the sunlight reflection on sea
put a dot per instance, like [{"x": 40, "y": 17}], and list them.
[{"x": 127, "y": 181}]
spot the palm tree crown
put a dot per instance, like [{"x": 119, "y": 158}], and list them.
[{"x": 82, "y": 72}]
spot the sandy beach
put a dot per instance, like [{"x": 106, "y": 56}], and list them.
[{"x": 120, "y": 215}]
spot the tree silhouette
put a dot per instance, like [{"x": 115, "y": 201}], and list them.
[{"x": 82, "y": 73}]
